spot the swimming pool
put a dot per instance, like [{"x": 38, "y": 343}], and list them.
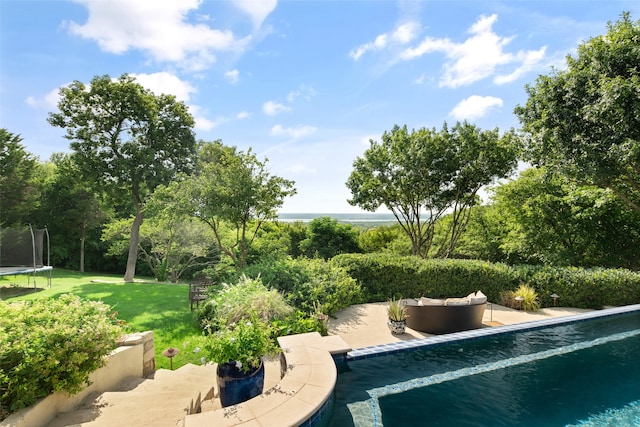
[{"x": 582, "y": 371}]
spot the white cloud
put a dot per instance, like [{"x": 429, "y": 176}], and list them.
[
  {"x": 529, "y": 60},
  {"x": 402, "y": 35},
  {"x": 202, "y": 123},
  {"x": 271, "y": 108},
  {"x": 297, "y": 132},
  {"x": 475, "y": 107},
  {"x": 164, "y": 82},
  {"x": 478, "y": 57},
  {"x": 233, "y": 76},
  {"x": 243, "y": 115},
  {"x": 167, "y": 83},
  {"x": 48, "y": 101},
  {"x": 157, "y": 27},
  {"x": 258, "y": 10},
  {"x": 305, "y": 92}
]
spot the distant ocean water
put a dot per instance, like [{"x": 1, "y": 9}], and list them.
[{"x": 351, "y": 218}]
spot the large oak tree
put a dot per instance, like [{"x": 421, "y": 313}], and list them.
[
  {"x": 423, "y": 174},
  {"x": 584, "y": 121},
  {"x": 126, "y": 140}
]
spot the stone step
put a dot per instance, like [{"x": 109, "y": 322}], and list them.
[{"x": 163, "y": 400}]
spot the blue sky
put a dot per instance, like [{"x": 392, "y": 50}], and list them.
[{"x": 304, "y": 83}]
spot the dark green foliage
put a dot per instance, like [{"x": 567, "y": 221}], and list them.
[
  {"x": 582, "y": 287},
  {"x": 327, "y": 238},
  {"x": 126, "y": 141},
  {"x": 383, "y": 276},
  {"x": 385, "y": 238},
  {"x": 18, "y": 184},
  {"x": 548, "y": 219}
]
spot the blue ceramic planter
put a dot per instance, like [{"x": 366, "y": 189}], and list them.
[{"x": 237, "y": 386}]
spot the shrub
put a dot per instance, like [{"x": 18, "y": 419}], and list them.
[
  {"x": 298, "y": 322},
  {"x": 382, "y": 276},
  {"x": 51, "y": 345},
  {"x": 582, "y": 287},
  {"x": 310, "y": 284},
  {"x": 236, "y": 302},
  {"x": 529, "y": 302}
]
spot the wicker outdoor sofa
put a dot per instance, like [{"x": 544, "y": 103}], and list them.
[{"x": 443, "y": 316}]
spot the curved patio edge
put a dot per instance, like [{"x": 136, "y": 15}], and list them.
[{"x": 308, "y": 378}]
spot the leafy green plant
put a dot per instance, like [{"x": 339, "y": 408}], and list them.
[
  {"x": 298, "y": 323},
  {"x": 244, "y": 343},
  {"x": 525, "y": 298},
  {"x": 235, "y": 302},
  {"x": 50, "y": 345},
  {"x": 396, "y": 310},
  {"x": 306, "y": 282}
]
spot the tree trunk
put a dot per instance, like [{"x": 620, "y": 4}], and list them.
[
  {"x": 82, "y": 252},
  {"x": 133, "y": 247}
]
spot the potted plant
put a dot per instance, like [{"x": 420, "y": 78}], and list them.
[
  {"x": 397, "y": 313},
  {"x": 239, "y": 350}
]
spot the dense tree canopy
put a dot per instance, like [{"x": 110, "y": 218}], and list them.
[
  {"x": 73, "y": 208},
  {"x": 126, "y": 140},
  {"x": 420, "y": 175},
  {"x": 327, "y": 238},
  {"x": 231, "y": 188},
  {"x": 554, "y": 221},
  {"x": 584, "y": 121},
  {"x": 18, "y": 187}
]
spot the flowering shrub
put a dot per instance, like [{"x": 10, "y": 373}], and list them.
[
  {"x": 243, "y": 343},
  {"x": 50, "y": 345}
]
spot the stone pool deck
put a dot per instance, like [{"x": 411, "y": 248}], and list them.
[{"x": 365, "y": 325}]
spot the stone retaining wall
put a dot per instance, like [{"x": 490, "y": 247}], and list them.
[{"x": 134, "y": 356}]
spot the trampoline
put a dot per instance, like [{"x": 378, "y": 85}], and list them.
[{"x": 21, "y": 252}]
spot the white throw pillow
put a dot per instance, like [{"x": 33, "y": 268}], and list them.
[
  {"x": 479, "y": 298},
  {"x": 457, "y": 301},
  {"x": 431, "y": 301}
]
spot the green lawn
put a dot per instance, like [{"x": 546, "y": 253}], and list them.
[{"x": 144, "y": 305}]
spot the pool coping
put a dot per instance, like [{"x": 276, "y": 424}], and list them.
[
  {"x": 436, "y": 340},
  {"x": 301, "y": 398}
]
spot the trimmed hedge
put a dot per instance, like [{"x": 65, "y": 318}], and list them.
[
  {"x": 384, "y": 276},
  {"x": 50, "y": 345},
  {"x": 582, "y": 287}
]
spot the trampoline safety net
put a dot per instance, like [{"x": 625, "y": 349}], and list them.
[{"x": 22, "y": 250}]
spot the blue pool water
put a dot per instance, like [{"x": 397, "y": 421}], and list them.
[{"x": 579, "y": 374}]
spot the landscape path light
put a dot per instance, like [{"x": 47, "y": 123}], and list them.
[{"x": 170, "y": 352}]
